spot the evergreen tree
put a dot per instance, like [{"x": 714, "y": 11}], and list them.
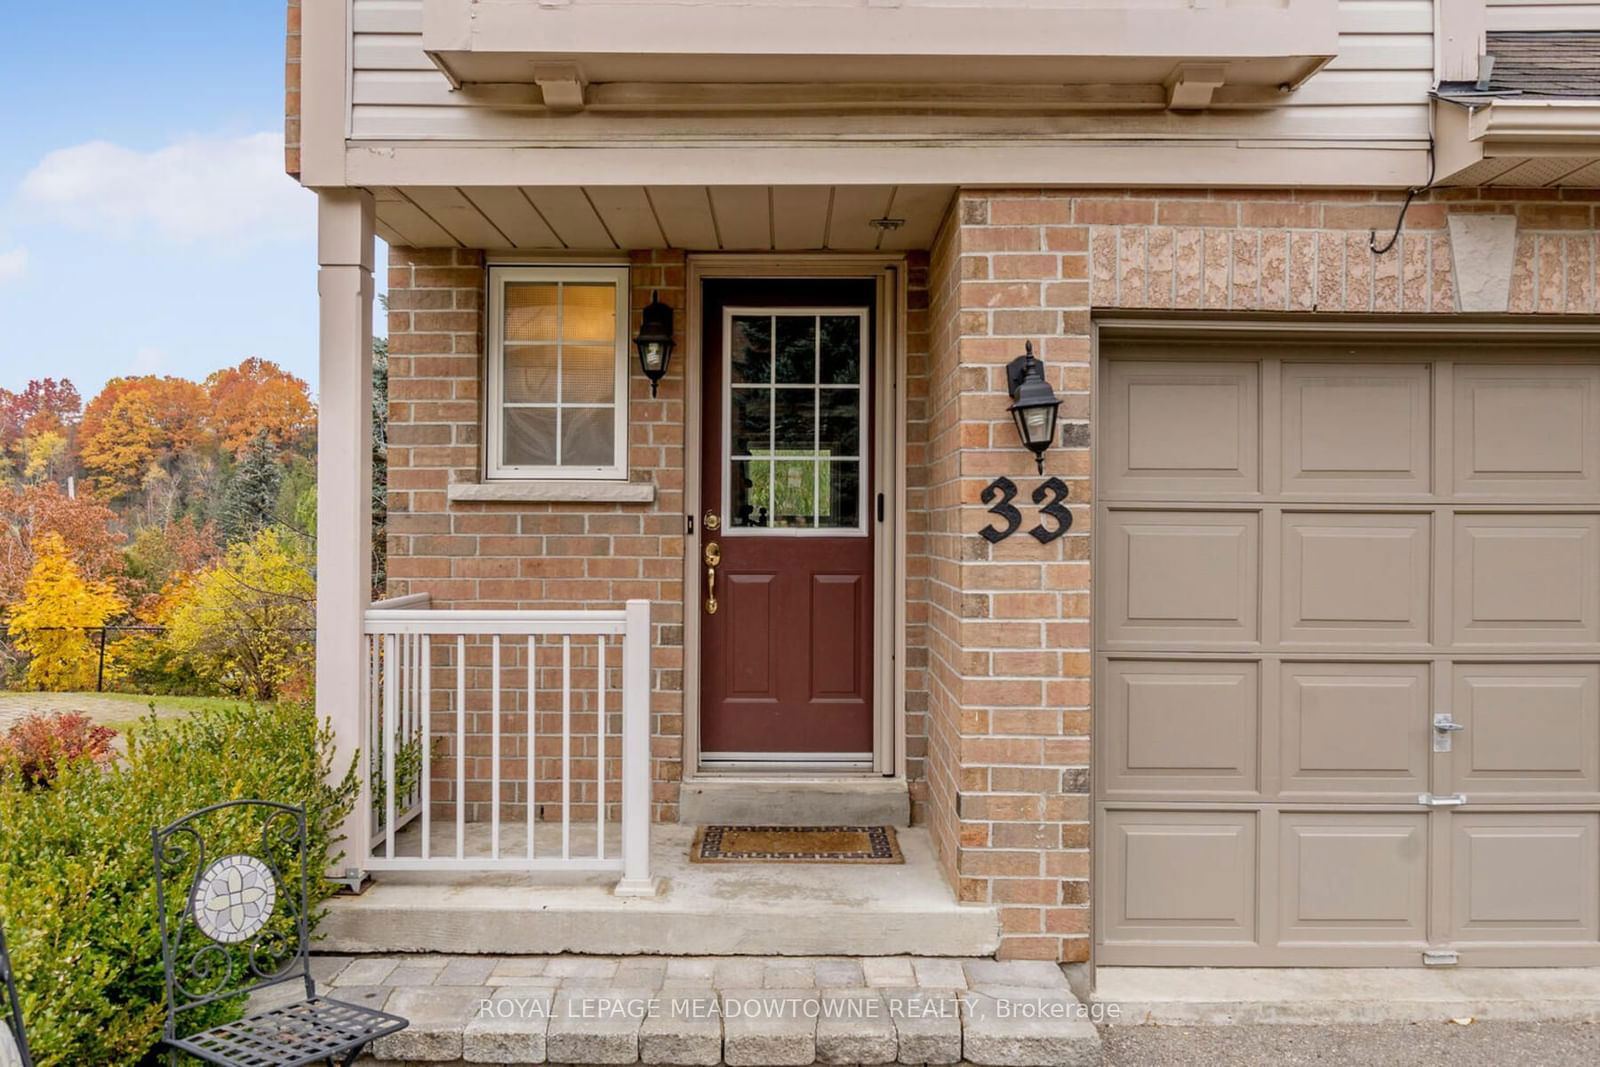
[{"x": 252, "y": 494}]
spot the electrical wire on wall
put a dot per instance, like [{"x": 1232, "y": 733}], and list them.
[{"x": 1411, "y": 194}]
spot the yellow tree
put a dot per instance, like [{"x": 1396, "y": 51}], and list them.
[
  {"x": 49, "y": 624},
  {"x": 245, "y": 623}
]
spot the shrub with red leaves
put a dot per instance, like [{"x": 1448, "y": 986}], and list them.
[{"x": 40, "y": 745}]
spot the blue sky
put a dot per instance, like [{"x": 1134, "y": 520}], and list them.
[{"x": 118, "y": 253}]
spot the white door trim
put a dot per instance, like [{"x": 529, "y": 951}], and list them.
[{"x": 889, "y": 570}]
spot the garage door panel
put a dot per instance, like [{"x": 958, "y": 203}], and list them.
[
  {"x": 1356, "y": 579},
  {"x": 1290, "y": 586},
  {"x": 1180, "y": 876},
  {"x": 1527, "y": 579},
  {"x": 1181, "y": 728},
  {"x": 1357, "y": 731},
  {"x": 1527, "y": 878},
  {"x": 1531, "y": 730},
  {"x": 1181, "y": 429},
  {"x": 1358, "y": 429},
  {"x": 1527, "y": 431},
  {"x": 1186, "y": 577},
  {"x": 1352, "y": 877}
]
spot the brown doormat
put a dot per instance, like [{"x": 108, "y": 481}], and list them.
[{"x": 795, "y": 844}]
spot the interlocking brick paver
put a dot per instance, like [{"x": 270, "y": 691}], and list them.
[
  {"x": 888, "y": 971},
  {"x": 438, "y": 1014},
  {"x": 842, "y": 974},
  {"x": 596, "y": 1024},
  {"x": 940, "y": 973},
  {"x": 927, "y": 1024},
  {"x": 509, "y": 1025},
  {"x": 854, "y": 1027},
  {"x": 684, "y": 1026},
  {"x": 700, "y": 1011},
  {"x": 769, "y": 1027},
  {"x": 467, "y": 970},
  {"x": 366, "y": 970}
]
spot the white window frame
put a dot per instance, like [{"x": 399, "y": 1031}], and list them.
[{"x": 495, "y": 468}]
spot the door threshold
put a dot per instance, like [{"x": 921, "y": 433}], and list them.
[{"x": 852, "y": 764}]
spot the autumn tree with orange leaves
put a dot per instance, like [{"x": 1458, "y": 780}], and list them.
[
  {"x": 139, "y": 426},
  {"x": 256, "y": 397}
]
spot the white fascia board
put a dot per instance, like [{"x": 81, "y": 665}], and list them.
[{"x": 1569, "y": 123}]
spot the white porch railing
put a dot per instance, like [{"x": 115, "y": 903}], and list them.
[{"x": 480, "y": 724}]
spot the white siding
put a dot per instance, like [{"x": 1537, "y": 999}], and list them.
[
  {"x": 1374, "y": 93},
  {"x": 1543, "y": 15}
]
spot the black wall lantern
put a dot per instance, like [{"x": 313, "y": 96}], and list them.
[
  {"x": 655, "y": 341},
  {"x": 1034, "y": 404}
]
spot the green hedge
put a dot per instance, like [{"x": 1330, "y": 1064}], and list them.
[{"x": 77, "y": 894}]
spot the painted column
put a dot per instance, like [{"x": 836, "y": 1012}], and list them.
[{"x": 344, "y": 485}]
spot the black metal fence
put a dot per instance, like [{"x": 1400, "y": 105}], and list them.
[{"x": 99, "y": 636}]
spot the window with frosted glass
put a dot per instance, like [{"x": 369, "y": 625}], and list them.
[{"x": 558, "y": 374}]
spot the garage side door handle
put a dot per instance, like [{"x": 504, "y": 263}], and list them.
[{"x": 1454, "y": 800}]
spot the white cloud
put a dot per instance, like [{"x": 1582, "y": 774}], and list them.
[
  {"x": 13, "y": 264},
  {"x": 198, "y": 189}
]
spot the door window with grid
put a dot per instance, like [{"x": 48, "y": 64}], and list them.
[
  {"x": 558, "y": 373},
  {"x": 795, "y": 421}
]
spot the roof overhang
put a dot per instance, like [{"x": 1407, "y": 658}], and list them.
[
  {"x": 1470, "y": 132},
  {"x": 570, "y": 50}
]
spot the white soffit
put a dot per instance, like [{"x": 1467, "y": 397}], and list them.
[{"x": 730, "y": 218}]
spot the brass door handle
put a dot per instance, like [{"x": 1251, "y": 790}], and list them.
[{"x": 713, "y": 556}]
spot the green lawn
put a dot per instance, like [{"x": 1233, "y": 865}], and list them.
[{"x": 116, "y": 710}]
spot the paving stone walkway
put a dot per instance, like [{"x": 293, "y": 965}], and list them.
[{"x": 742, "y": 1011}]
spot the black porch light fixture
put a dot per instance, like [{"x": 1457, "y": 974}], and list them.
[
  {"x": 1034, "y": 405},
  {"x": 655, "y": 341}
]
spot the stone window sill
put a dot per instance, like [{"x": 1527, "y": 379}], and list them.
[{"x": 595, "y": 492}]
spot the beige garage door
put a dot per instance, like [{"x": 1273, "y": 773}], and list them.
[{"x": 1348, "y": 655}]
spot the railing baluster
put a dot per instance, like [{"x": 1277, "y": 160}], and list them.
[
  {"x": 461, "y": 747},
  {"x": 566, "y": 746},
  {"x": 527, "y": 744},
  {"x": 414, "y": 706},
  {"x": 400, "y": 693},
  {"x": 425, "y": 784},
  {"x": 494, "y": 752},
  {"x": 374, "y": 697},
  {"x": 390, "y": 700}
]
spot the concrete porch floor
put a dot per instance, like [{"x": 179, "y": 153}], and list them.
[{"x": 763, "y": 909}]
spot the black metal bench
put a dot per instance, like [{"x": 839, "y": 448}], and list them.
[
  {"x": 11, "y": 1010},
  {"x": 242, "y": 927}
]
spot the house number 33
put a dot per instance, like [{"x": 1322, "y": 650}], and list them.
[{"x": 1050, "y": 496}]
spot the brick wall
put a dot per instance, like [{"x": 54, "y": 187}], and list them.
[
  {"x": 997, "y": 673},
  {"x": 525, "y": 556},
  {"x": 1009, "y": 634},
  {"x": 291, "y": 90},
  {"x": 495, "y": 555}
]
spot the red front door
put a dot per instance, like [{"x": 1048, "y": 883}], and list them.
[{"x": 786, "y": 583}]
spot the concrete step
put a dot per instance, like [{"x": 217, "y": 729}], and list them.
[
  {"x": 762, "y": 909},
  {"x": 749, "y": 1012},
  {"x": 787, "y": 802}
]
